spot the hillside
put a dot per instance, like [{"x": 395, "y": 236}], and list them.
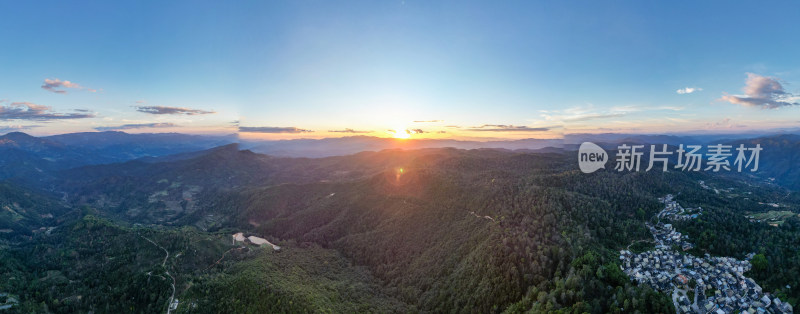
[{"x": 430, "y": 230}]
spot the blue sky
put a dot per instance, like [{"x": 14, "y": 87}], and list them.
[{"x": 291, "y": 69}]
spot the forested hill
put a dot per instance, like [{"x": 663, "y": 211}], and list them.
[
  {"x": 24, "y": 211},
  {"x": 433, "y": 230}
]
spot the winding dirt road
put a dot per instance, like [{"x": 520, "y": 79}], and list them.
[{"x": 164, "y": 264}]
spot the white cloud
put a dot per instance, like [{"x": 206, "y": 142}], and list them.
[
  {"x": 764, "y": 92},
  {"x": 688, "y": 90}
]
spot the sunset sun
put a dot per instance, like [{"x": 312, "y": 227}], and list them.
[{"x": 401, "y": 133}]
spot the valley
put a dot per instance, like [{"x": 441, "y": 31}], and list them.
[
  {"x": 226, "y": 229},
  {"x": 492, "y": 157}
]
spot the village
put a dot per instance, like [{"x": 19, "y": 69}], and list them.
[{"x": 698, "y": 284}]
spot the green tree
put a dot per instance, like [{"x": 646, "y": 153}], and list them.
[{"x": 759, "y": 263}]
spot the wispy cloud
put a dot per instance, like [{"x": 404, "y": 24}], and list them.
[
  {"x": 678, "y": 120},
  {"x": 764, "y": 92},
  {"x": 688, "y": 90},
  {"x": 506, "y": 128},
  {"x": 171, "y": 110},
  {"x": 136, "y": 126},
  {"x": 724, "y": 123},
  {"x": 625, "y": 109},
  {"x": 637, "y": 108},
  {"x": 579, "y": 114},
  {"x": 593, "y": 116},
  {"x": 348, "y": 130},
  {"x": 60, "y": 87},
  {"x": 272, "y": 129},
  {"x": 428, "y": 121},
  {"x": 31, "y": 111},
  {"x": 16, "y": 128}
]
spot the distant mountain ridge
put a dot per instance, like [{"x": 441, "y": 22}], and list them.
[
  {"x": 115, "y": 146},
  {"x": 341, "y": 146},
  {"x": 779, "y": 160},
  {"x": 25, "y": 156}
]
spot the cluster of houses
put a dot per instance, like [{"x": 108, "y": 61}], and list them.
[
  {"x": 718, "y": 283},
  {"x": 667, "y": 237},
  {"x": 673, "y": 210},
  {"x": 722, "y": 278}
]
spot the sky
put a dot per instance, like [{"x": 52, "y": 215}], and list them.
[{"x": 417, "y": 69}]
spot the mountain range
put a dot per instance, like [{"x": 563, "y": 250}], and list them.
[{"x": 408, "y": 229}]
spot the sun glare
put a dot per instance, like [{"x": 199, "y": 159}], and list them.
[{"x": 401, "y": 133}]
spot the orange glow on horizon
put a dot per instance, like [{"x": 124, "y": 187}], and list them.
[{"x": 401, "y": 134}]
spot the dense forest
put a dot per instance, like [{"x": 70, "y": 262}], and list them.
[{"x": 439, "y": 230}]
